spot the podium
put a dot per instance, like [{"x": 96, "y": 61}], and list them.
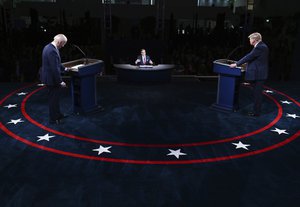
[
  {"x": 83, "y": 83},
  {"x": 228, "y": 85}
]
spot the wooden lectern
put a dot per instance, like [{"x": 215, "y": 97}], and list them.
[
  {"x": 228, "y": 85},
  {"x": 83, "y": 83}
]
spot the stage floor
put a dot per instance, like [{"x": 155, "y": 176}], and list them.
[{"x": 164, "y": 133}]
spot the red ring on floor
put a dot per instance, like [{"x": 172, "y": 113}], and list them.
[
  {"x": 152, "y": 162},
  {"x": 23, "y": 105},
  {"x": 206, "y": 160}
]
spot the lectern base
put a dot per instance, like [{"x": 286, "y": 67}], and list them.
[{"x": 223, "y": 108}]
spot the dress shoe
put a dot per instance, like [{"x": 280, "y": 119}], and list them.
[{"x": 250, "y": 113}]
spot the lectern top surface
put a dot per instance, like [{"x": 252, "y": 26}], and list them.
[{"x": 76, "y": 67}]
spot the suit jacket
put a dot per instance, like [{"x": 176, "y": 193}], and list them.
[
  {"x": 51, "y": 66},
  {"x": 257, "y": 62},
  {"x": 141, "y": 60}
]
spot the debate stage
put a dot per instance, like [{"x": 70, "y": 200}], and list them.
[{"x": 156, "y": 144}]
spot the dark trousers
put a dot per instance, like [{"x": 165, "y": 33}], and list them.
[
  {"x": 54, "y": 109},
  {"x": 257, "y": 95}
]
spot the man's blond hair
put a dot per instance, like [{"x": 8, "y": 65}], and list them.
[{"x": 256, "y": 36}]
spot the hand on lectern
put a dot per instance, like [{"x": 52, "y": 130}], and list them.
[
  {"x": 233, "y": 65},
  {"x": 63, "y": 84}
]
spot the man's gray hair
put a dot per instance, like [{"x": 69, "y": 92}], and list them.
[{"x": 60, "y": 38}]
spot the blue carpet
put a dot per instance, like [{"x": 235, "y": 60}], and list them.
[{"x": 140, "y": 130}]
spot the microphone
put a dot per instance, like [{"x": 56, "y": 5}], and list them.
[
  {"x": 84, "y": 55},
  {"x": 233, "y": 51}
]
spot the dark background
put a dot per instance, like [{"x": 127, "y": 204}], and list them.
[{"x": 172, "y": 31}]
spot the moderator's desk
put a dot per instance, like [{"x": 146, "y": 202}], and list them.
[{"x": 134, "y": 73}]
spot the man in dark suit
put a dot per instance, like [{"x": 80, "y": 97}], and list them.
[
  {"x": 256, "y": 70},
  {"x": 51, "y": 76},
  {"x": 143, "y": 59}
]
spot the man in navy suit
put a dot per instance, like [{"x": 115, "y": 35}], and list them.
[
  {"x": 257, "y": 69},
  {"x": 51, "y": 75},
  {"x": 143, "y": 59}
]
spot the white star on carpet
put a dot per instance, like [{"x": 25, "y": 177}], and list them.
[
  {"x": 21, "y": 94},
  {"x": 280, "y": 131},
  {"x": 102, "y": 149},
  {"x": 40, "y": 84},
  {"x": 286, "y": 102},
  {"x": 46, "y": 137},
  {"x": 11, "y": 106},
  {"x": 15, "y": 121},
  {"x": 176, "y": 153},
  {"x": 241, "y": 145},
  {"x": 292, "y": 115},
  {"x": 268, "y": 91}
]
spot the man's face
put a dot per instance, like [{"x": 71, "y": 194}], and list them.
[
  {"x": 252, "y": 41},
  {"x": 143, "y": 52},
  {"x": 61, "y": 44}
]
